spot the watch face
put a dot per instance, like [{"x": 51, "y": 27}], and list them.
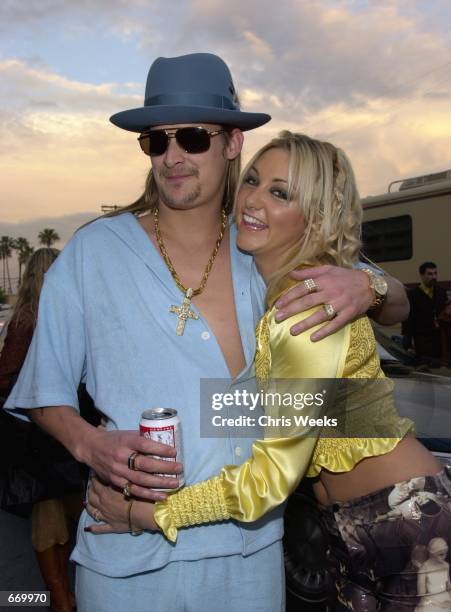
[{"x": 380, "y": 285}]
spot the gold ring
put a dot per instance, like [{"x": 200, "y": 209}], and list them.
[
  {"x": 126, "y": 490},
  {"x": 131, "y": 460},
  {"x": 96, "y": 515},
  {"x": 330, "y": 311},
  {"x": 310, "y": 285}
]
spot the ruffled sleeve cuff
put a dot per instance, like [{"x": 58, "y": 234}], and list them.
[
  {"x": 204, "y": 502},
  {"x": 343, "y": 454}
]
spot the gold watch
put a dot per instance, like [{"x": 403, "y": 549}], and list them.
[{"x": 379, "y": 285}]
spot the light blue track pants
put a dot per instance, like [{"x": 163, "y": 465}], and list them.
[{"x": 221, "y": 584}]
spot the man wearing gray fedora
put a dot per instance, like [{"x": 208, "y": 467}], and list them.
[{"x": 142, "y": 305}]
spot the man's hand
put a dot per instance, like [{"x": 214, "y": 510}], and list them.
[
  {"x": 110, "y": 510},
  {"x": 347, "y": 290},
  {"x": 107, "y": 453}
]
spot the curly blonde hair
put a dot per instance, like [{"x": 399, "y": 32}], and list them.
[{"x": 322, "y": 182}]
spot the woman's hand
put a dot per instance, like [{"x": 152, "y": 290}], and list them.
[
  {"x": 346, "y": 290},
  {"x": 110, "y": 510},
  {"x": 107, "y": 505}
]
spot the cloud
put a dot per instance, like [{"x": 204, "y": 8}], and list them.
[
  {"x": 315, "y": 54},
  {"x": 75, "y": 166},
  {"x": 13, "y": 12},
  {"x": 372, "y": 77},
  {"x": 260, "y": 48},
  {"x": 248, "y": 97},
  {"x": 26, "y": 88},
  {"x": 368, "y": 79},
  {"x": 307, "y": 53},
  {"x": 58, "y": 150}
]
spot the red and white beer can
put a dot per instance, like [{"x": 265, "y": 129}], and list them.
[{"x": 163, "y": 425}]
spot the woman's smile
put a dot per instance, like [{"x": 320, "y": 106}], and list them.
[{"x": 269, "y": 223}]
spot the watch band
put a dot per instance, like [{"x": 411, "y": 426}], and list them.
[{"x": 380, "y": 292}]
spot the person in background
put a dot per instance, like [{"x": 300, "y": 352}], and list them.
[
  {"x": 421, "y": 331},
  {"x": 51, "y": 519}
]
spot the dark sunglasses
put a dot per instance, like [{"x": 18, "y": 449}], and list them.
[{"x": 190, "y": 139}]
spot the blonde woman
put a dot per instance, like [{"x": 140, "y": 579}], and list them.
[{"x": 298, "y": 206}]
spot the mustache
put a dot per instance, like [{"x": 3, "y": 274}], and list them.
[{"x": 184, "y": 170}]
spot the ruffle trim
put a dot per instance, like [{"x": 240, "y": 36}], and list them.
[
  {"x": 200, "y": 503},
  {"x": 343, "y": 454}
]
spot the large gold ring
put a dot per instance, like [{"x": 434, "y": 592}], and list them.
[
  {"x": 126, "y": 490},
  {"x": 96, "y": 515},
  {"x": 131, "y": 460},
  {"x": 310, "y": 285},
  {"x": 330, "y": 311}
]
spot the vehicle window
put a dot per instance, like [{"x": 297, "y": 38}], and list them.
[{"x": 388, "y": 239}]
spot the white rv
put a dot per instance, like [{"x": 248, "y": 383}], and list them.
[{"x": 403, "y": 228}]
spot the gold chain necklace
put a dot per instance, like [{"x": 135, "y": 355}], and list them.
[{"x": 184, "y": 312}]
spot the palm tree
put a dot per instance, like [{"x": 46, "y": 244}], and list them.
[
  {"x": 6, "y": 246},
  {"x": 48, "y": 236},
  {"x": 24, "y": 251}
]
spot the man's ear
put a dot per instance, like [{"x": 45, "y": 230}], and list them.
[{"x": 234, "y": 144}]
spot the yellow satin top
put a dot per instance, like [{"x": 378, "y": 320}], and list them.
[{"x": 277, "y": 465}]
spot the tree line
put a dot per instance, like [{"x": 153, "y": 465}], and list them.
[{"x": 23, "y": 250}]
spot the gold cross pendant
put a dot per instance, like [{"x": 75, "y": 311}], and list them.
[{"x": 183, "y": 312}]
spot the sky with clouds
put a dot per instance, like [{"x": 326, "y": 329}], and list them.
[{"x": 374, "y": 77}]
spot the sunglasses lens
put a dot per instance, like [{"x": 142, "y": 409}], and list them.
[
  {"x": 193, "y": 139},
  {"x": 158, "y": 142},
  {"x": 144, "y": 143}
]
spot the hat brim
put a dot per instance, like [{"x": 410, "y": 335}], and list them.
[{"x": 140, "y": 119}]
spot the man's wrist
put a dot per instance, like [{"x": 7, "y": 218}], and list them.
[
  {"x": 84, "y": 444},
  {"x": 378, "y": 286}
]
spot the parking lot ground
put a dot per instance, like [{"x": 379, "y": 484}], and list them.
[{"x": 19, "y": 570}]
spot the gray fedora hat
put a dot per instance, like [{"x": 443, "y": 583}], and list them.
[{"x": 195, "y": 88}]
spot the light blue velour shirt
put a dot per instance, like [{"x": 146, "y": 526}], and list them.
[{"x": 103, "y": 318}]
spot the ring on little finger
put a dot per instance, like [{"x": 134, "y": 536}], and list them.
[{"x": 330, "y": 311}]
